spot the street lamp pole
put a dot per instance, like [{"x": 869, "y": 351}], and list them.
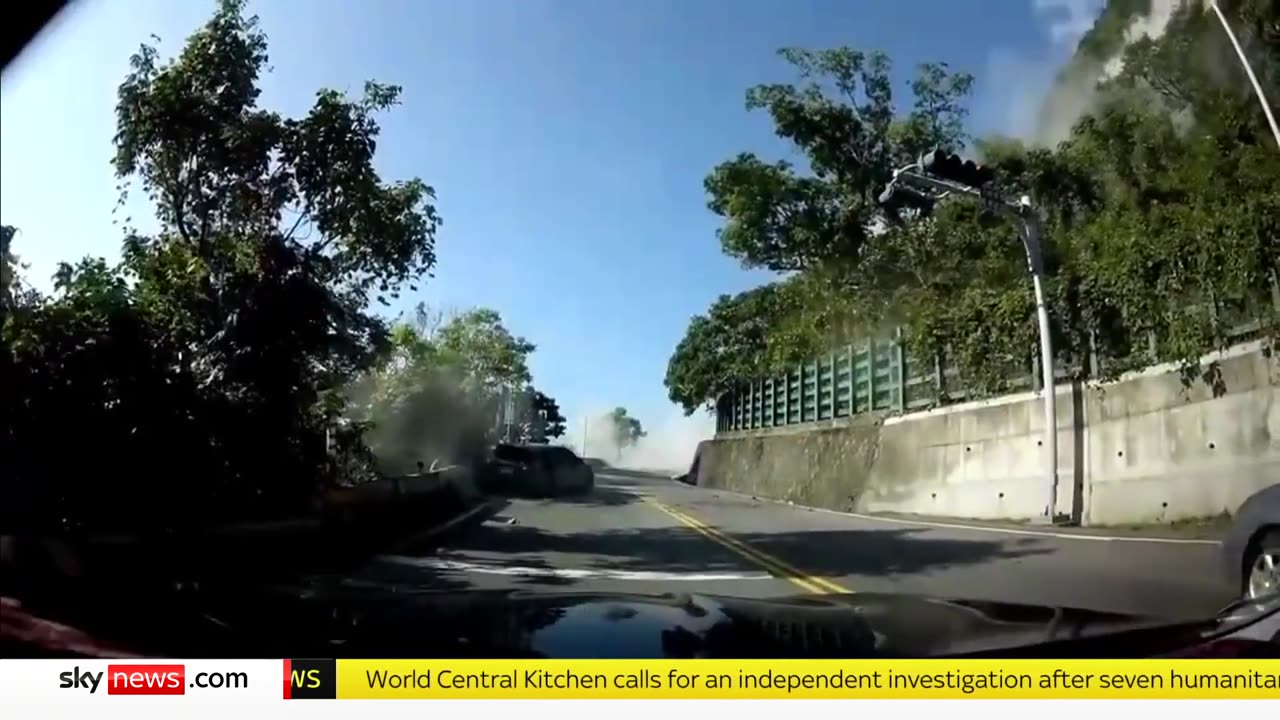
[
  {"x": 1030, "y": 233},
  {"x": 1248, "y": 69}
]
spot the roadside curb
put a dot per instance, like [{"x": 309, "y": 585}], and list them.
[
  {"x": 1061, "y": 534},
  {"x": 489, "y": 506}
]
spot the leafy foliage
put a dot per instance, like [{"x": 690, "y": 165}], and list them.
[
  {"x": 546, "y": 412},
  {"x": 492, "y": 358},
  {"x": 1160, "y": 219},
  {"x": 720, "y": 348},
  {"x": 842, "y": 118},
  {"x": 625, "y": 431},
  {"x": 208, "y": 367}
]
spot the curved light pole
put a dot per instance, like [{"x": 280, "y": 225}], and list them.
[
  {"x": 1028, "y": 221},
  {"x": 1248, "y": 69}
]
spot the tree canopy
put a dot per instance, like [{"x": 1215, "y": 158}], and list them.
[
  {"x": 624, "y": 430},
  {"x": 232, "y": 363},
  {"x": 490, "y": 355},
  {"x": 1160, "y": 211},
  {"x": 546, "y": 412}
]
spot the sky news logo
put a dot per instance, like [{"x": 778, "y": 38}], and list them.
[{"x": 134, "y": 679}]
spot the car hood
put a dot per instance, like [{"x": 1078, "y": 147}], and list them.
[{"x": 349, "y": 622}]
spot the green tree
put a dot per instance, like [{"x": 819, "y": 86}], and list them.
[
  {"x": 823, "y": 225},
  {"x": 219, "y": 348},
  {"x": 547, "y": 412},
  {"x": 721, "y": 348},
  {"x": 491, "y": 357},
  {"x": 1160, "y": 217},
  {"x": 1184, "y": 246},
  {"x": 275, "y": 234},
  {"x": 841, "y": 117},
  {"x": 625, "y": 431}
]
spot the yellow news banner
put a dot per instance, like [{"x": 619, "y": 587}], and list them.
[{"x": 808, "y": 679}]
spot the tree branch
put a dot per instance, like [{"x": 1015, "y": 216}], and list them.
[{"x": 289, "y": 235}]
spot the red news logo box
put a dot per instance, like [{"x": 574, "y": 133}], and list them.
[
  {"x": 146, "y": 679},
  {"x": 132, "y": 679}
]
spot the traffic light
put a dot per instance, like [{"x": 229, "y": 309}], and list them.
[
  {"x": 895, "y": 198},
  {"x": 952, "y": 167}
]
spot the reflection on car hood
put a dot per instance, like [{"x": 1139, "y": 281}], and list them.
[{"x": 501, "y": 623}]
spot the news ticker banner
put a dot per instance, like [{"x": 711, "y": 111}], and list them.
[
  {"x": 782, "y": 679},
  {"x": 255, "y": 681}
]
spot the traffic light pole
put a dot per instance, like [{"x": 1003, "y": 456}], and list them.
[
  {"x": 1248, "y": 69},
  {"x": 1030, "y": 233}
]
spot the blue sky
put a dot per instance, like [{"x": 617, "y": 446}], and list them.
[{"x": 567, "y": 139}]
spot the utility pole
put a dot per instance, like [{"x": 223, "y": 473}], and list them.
[
  {"x": 1248, "y": 69},
  {"x": 940, "y": 174},
  {"x": 584, "y": 437}
]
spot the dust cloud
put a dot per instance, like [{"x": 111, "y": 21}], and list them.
[
  {"x": 668, "y": 447},
  {"x": 1032, "y": 98},
  {"x": 435, "y": 421},
  {"x": 1144, "y": 26}
]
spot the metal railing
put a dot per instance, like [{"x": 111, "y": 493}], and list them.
[
  {"x": 880, "y": 376},
  {"x": 873, "y": 375}
]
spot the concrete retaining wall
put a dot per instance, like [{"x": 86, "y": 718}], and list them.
[{"x": 1142, "y": 449}]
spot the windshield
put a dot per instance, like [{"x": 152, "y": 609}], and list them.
[{"x": 981, "y": 312}]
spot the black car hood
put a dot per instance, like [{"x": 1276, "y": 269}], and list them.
[{"x": 347, "y": 622}]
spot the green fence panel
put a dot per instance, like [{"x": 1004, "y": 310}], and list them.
[
  {"x": 823, "y": 389},
  {"x": 880, "y": 374},
  {"x": 876, "y": 374},
  {"x": 844, "y": 360},
  {"x": 793, "y": 398},
  {"x": 799, "y": 398},
  {"x": 809, "y": 403}
]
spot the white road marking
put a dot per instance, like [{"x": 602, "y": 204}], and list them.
[
  {"x": 435, "y": 563},
  {"x": 962, "y": 526}
]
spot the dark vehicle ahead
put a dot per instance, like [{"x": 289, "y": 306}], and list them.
[
  {"x": 1251, "y": 549},
  {"x": 537, "y": 471}
]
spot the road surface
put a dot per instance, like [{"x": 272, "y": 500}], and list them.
[{"x": 647, "y": 534}]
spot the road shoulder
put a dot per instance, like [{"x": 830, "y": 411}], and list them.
[{"x": 1198, "y": 531}]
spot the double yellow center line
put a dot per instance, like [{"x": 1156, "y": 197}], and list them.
[{"x": 776, "y": 567}]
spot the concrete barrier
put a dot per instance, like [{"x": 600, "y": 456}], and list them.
[{"x": 1142, "y": 449}]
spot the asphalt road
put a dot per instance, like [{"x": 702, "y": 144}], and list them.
[{"x": 649, "y": 535}]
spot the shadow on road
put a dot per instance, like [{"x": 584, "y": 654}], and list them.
[{"x": 598, "y": 497}]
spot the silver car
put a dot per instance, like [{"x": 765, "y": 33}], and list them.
[{"x": 1251, "y": 549}]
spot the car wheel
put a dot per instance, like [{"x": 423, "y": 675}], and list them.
[{"x": 1262, "y": 566}]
